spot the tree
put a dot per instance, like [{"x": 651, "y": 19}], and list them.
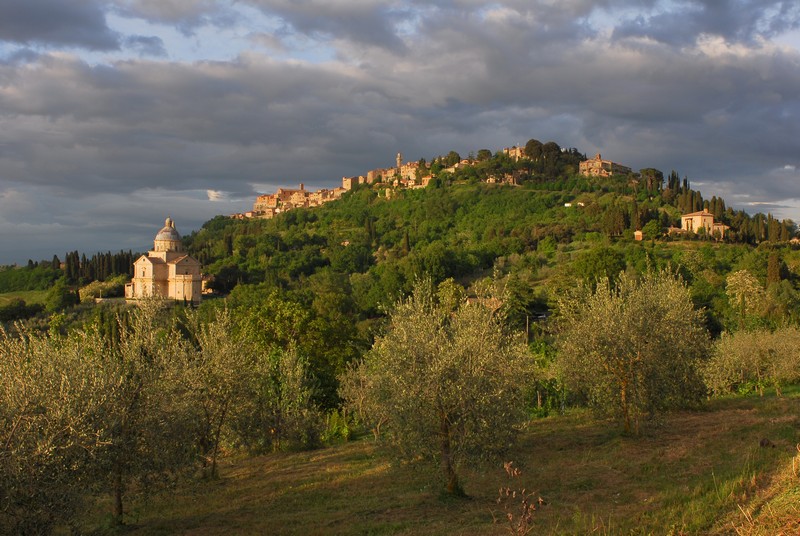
[
  {"x": 533, "y": 149},
  {"x": 85, "y": 412},
  {"x": 754, "y": 359},
  {"x": 220, "y": 365},
  {"x": 60, "y": 296},
  {"x": 278, "y": 411},
  {"x": 483, "y": 155},
  {"x": 446, "y": 380},
  {"x": 451, "y": 159},
  {"x": 48, "y": 396},
  {"x": 773, "y": 268},
  {"x": 653, "y": 179},
  {"x": 745, "y": 295},
  {"x": 144, "y": 414},
  {"x": 651, "y": 230},
  {"x": 598, "y": 263},
  {"x": 632, "y": 348}
]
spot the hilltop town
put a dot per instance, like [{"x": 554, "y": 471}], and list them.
[
  {"x": 418, "y": 174},
  {"x": 404, "y": 175}
]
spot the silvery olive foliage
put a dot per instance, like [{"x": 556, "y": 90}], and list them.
[
  {"x": 48, "y": 398},
  {"x": 219, "y": 367},
  {"x": 754, "y": 360},
  {"x": 129, "y": 408},
  {"x": 445, "y": 381},
  {"x": 633, "y": 345},
  {"x": 84, "y": 412}
]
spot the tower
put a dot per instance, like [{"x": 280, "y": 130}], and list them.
[{"x": 399, "y": 160}]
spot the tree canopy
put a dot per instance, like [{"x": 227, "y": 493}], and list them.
[
  {"x": 632, "y": 346},
  {"x": 446, "y": 380}
]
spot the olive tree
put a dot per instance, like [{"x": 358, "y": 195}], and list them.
[
  {"x": 145, "y": 419},
  {"x": 754, "y": 359},
  {"x": 219, "y": 370},
  {"x": 745, "y": 295},
  {"x": 632, "y": 347},
  {"x": 445, "y": 381},
  {"x": 278, "y": 410},
  {"x": 48, "y": 398},
  {"x": 87, "y": 412}
]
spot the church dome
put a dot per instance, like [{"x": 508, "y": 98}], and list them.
[
  {"x": 168, "y": 232},
  {"x": 168, "y": 238}
]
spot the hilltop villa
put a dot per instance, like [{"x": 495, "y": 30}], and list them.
[
  {"x": 166, "y": 271},
  {"x": 597, "y": 167},
  {"x": 703, "y": 220}
]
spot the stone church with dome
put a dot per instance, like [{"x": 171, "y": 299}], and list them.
[{"x": 166, "y": 271}]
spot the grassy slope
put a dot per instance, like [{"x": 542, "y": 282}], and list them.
[
  {"x": 686, "y": 474},
  {"x": 30, "y": 296}
]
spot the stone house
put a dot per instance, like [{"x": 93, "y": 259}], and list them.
[
  {"x": 597, "y": 167},
  {"x": 515, "y": 152},
  {"x": 703, "y": 219}
]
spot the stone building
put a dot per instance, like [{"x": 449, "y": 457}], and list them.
[
  {"x": 515, "y": 153},
  {"x": 597, "y": 167},
  {"x": 703, "y": 219},
  {"x": 166, "y": 271}
]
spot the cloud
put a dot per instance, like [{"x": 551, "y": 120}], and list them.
[
  {"x": 181, "y": 14},
  {"x": 742, "y": 21},
  {"x": 44, "y": 225},
  {"x": 717, "y": 101},
  {"x": 266, "y": 40},
  {"x": 367, "y": 22},
  {"x": 20, "y": 56},
  {"x": 146, "y": 46},
  {"x": 77, "y": 23},
  {"x": 215, "y": 195}
]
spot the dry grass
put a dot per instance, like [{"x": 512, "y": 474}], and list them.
[{"x": 690, "y": 473}]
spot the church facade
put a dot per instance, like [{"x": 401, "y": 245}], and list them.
[{"x": 166, "y": 271}]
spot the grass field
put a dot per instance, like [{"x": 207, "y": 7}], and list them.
[
  {"x": 689, "y": 473},
  {"x": 30, "y": 296}
]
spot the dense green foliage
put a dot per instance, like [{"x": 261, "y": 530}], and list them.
[
  {"x": 339, "y": 267},
  {"x": 31, "y": 277},
  {"x": 99, "y": 267}
]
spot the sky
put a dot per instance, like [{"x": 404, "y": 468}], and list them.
[{"x": 116, "y": 114}]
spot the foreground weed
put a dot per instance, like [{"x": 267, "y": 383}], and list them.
[{"x": 518, "y": 505}]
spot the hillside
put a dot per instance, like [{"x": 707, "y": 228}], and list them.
[
  {"x": 345, "y": 262},
  {"x": 693, "y": 473},
  {"x": 425, "y": 316}
]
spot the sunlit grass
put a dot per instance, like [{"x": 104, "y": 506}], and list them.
[
  {"x": 30, "y": 296},
  {"x": 697, "y": 472}
]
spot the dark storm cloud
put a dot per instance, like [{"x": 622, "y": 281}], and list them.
[
  {"x": 145, "y": 124},
  {"x": 78, "y": 23},
  {"x": 733, "y": 20},
  {"x": 419, "y": 77}
]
